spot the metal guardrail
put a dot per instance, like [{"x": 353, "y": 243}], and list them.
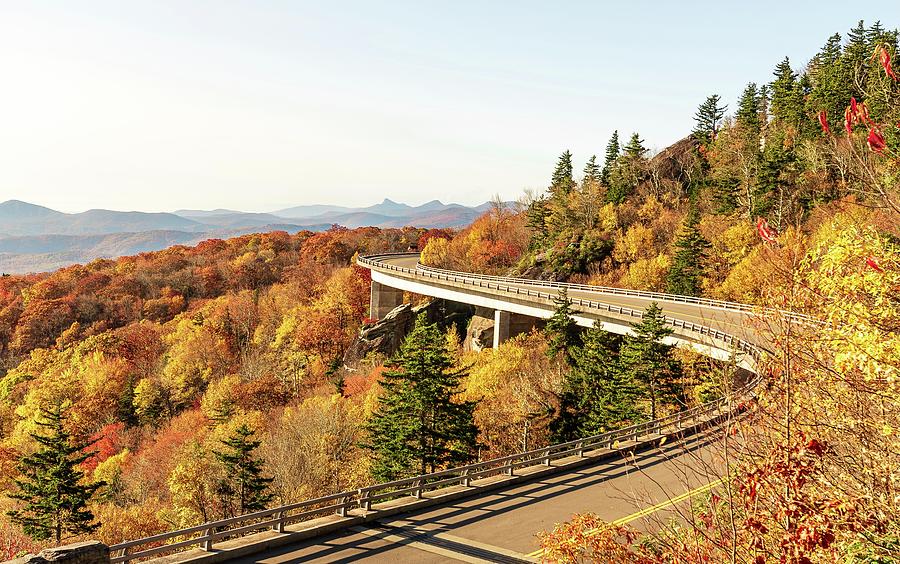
[
  {"x": 207, "y": 534},
  {"x": 658, "y": 296}
]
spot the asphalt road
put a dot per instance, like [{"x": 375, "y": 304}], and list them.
[{"x": 502, "y": 526}]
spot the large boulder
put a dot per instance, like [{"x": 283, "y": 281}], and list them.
[
  {"x": 386, "y": 335},
  {"x": 677, "y": 163},
  {"x": 88, "y": 552},
  {"x": 480, "y": 334}
]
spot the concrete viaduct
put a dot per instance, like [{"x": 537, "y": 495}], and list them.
[{"x": 490, "y": 511}]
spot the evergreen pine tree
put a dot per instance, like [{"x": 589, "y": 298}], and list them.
[
  {"x": 854, "y": 58},
  {"x": 687, "y": 265},
  {"x": 858, "y": 41},
  {"x": 51, "y": 484},
  {"x": 650, "y": 362},
  {"x": 882, "y": 95},
  {"x": 613, "y": 150},
  {"x": 635, "y": 149},
  {"x": 562, "y": 332},
  {"x": 831, "y": 84},
  {"x": 786, "y": 104},
  {"x": 591, "y": 172},
  {"x": 598, "y": 395},
  {"x": 562, "y": 181},
  {"x": 244, "y": 488},
  {"x": 536, "y": 217},
  {"x": 125, "y": 406},
  {"x": 747, "y": 116},
  {"x": 875, "y": 34},
  {"x": 628, "y": 171},
  {"x": 708, "y": 117},
  {"x": 418, "y": 427}
]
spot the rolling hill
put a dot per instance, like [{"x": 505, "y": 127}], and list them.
[{"x": 35, "y": 238}]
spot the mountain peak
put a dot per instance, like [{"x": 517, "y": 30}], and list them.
[{"x": 17, "y": 209}]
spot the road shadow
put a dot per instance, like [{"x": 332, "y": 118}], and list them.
[{"x": 495, "y": 504}]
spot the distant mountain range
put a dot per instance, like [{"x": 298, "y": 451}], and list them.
[{"x": 36, "y": 239}]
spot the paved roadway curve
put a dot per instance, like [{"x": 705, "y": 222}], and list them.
[{"x": 501, "y": 526}]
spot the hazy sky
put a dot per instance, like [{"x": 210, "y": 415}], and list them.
[{"x": 262, "y": 105}]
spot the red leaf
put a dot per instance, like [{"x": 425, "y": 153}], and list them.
[
  {"x": 885, "y": 57},
  {"x": 766, "y": 233},
  {"x": 873, "y": 264},
  {"x": 823, "y": 121},
  {"x": 815, "y": 446},
  {"x": 876, "y": 140}
]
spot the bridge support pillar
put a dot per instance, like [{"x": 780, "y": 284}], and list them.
[
  {"x": 383, "y": 300},
  {"x": 501, "y": 327}
]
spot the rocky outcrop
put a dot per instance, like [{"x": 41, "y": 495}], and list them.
[
  {"x": 89, "y": 552},
  {"x": 480, "y": 334},
  {"x": 385, "y": 336},
  {"x": 539, "y": 270},
  {"x": 676, "y": 163}
]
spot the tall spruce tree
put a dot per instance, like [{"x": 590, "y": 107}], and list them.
[
  {"x": 598, "y": 395},
  {"x": 635, "y": 149},
  {"x": 591, "y": 172},
  {"x": 244, "y": 489},
  {"x": 747, "y": 115},
  {"x": 882, "y": 94},
  {"x": 52, "y": 485},
  {"x": 418, "y": 425},
  {"x": 786, "y": 104},
  {"x": 650, "y": 362},
  {"x": 630, "y": 168},
  {"x": 562, "y": 332},
  {"x": 562, "y": 182},
  {"x": 687, "y": 268},
  {"x": 613, "y": 150},
  {"x": 536, "y": 217},
  {"x": 831, "y": 85},
  {"x": 708, "y": 118}
]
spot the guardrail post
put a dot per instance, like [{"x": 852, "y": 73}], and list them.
[
  {"x": 124, "y": 555},
  {"x": 342, "y": 509},
  {"x": 364, "y": 502},
  {"x": 509, "y": 469},
  {"x": 279, "y": 526},
  {"x": 547, "y": 457},
  {"x": 208, "y": 542},
  {"x": 466, "y": 480},
  {"x": 580, "y": 447},
  {"x": 418, "y": 490}
]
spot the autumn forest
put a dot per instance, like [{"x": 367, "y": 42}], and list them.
[{"x": 176, "y": 371}]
